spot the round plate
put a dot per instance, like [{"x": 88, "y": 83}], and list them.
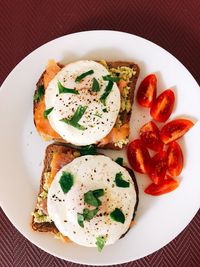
[{"x": 159, "y": 219}]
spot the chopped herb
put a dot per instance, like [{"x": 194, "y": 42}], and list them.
[
  {"x": 86, "y": 216},
  {"x": 119, "y": 161},
  {"x": 107, "y": 92},
  {"x": 89, "y": 214},
  {"x": 111, "y": 78},
  {"x": 91, "y": 197},
  {"x": 95, "y": 85},
  {"x": 100, "y": 242},
  {"x": 80, "y": 219},
  {"x": 63, "y": 89},
  {"x": 47, "y": 112},
  {"x": 120, "y": 182},
  {"x": 73, "y": 121},
  {"x": 104, "y": 110},
  {"x": 88, "y": 150},
  {"x": 98, "y": 192},
  {"x": 40, "y": 92},
  {"x": 66, "y": 181},
  {"x": 117, "y": 215},
  {"x": 83, "y": 75},
  {"x": 97, "y": 114}
]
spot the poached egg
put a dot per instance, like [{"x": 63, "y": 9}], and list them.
[
  {"x": 98, "y": 118},
  {"x": 92, "y": 173}
]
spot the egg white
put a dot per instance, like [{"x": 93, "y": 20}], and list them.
[
  {"x": 91, "y": 173},
  {"x": 97, "y": 122}
]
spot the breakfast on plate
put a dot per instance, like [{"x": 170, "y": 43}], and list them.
[
  {"x": 86, "y": 102},
  {"x": 87, "y": 197}
]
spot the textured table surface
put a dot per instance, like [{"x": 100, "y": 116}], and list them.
[{"x": 25, "y": 25}]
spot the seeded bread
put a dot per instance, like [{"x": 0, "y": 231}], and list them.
[
  {"x": 62, "y": 148},
  {"x": 124, "y": 115}
]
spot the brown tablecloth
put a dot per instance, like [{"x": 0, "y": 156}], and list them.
[{"x": 27, "y": 24}]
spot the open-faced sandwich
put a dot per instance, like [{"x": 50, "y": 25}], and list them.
[
  {"x": 88, "y": 199},
  {"x": 86, "y": 102}
]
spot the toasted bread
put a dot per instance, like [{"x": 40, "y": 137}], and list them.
[
  {"x": 117, "y": 138},
  {"x": 71, "y": 153}
]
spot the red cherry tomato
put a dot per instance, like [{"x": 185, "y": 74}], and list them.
[
  {"x": 149, "y": 134},
  {"x": 174, "y": 130},
  {"x": 138, "y": 156},
  {"x": 158, "y": 167},
  {"x": 147, "y": 91},
  {"x": 162, "y": 107},
  {"x": 168, "y": 185},
  {"x": 174, "y": 159}
]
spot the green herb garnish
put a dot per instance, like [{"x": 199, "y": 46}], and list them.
[
  {"x": 80, "y": 219},
  {"x": 47, "y": 112},
  {"x": 63, "y": 89},
  {"x": 97, "y": 114},
  {"x": 73, "y": 121},
  {"x": 119, "y": 161},
  {"x": 106, "y": 92},
  {"x": 66, "y": 181},
  {"x": 86, "y": 216},
  {"x": 98, "y": 192},
  {"x": 83, "y": 75},
  {"x": 88, "y": 150},
  {"x": 104, "y": 110},
  {"x": 111, "y": 78},
  {"x": 100, "y": 242},
  {"x": 92, "y": 197},
  {"x": 117, "y": 215},
  {"x": 120, "y": 182},
  {"x": 40, "y": 92},
  {"x": 89, "y": 214},
  {"x": 95, "y": 85}
]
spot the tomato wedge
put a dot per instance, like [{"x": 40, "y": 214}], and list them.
[
  {"x": 168, "y": 185},
  {"x": 138, "y": 156},
  {"x": 174, "y": 159},
  {"x": 150, "y": 136},
  {"x": 174, "y": 130},
  {"x": 163, "y": 105},
  {"x": 158, "y": 167},
  {"x": 147, "y": 91}
]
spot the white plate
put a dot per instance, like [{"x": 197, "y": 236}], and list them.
[{"x": 159, "y": 219}]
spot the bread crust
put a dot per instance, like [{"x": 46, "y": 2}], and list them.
[
  {"x": 125, "y": 116},
  {"x": 62, "y": 148}
]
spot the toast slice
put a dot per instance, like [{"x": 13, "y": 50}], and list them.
[
  {"x": 118, "y": 137},
  {"x": 56, "y": 156}
]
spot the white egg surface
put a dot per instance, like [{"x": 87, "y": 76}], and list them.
[
  {"x": 98, "y": 118},
  {"x": 92, "y": 173}
]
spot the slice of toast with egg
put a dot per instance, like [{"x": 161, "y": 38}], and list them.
[
  {"x": 105, "y": 127},
  {"x": 59, "y": 156}
]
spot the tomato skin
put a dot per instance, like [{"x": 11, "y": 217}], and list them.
[
  {"x": 174, "y": 159},
  {"x": 158, "y": 167},
  {"x": 174, "y": 130},
  {"x": 147, "y": 91},
  {"x": 169, "y": 184},
  {"x": 163, "y": 105},
  {"x": 138, "y": 156},
  {"x": 150, "y": 136}
]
